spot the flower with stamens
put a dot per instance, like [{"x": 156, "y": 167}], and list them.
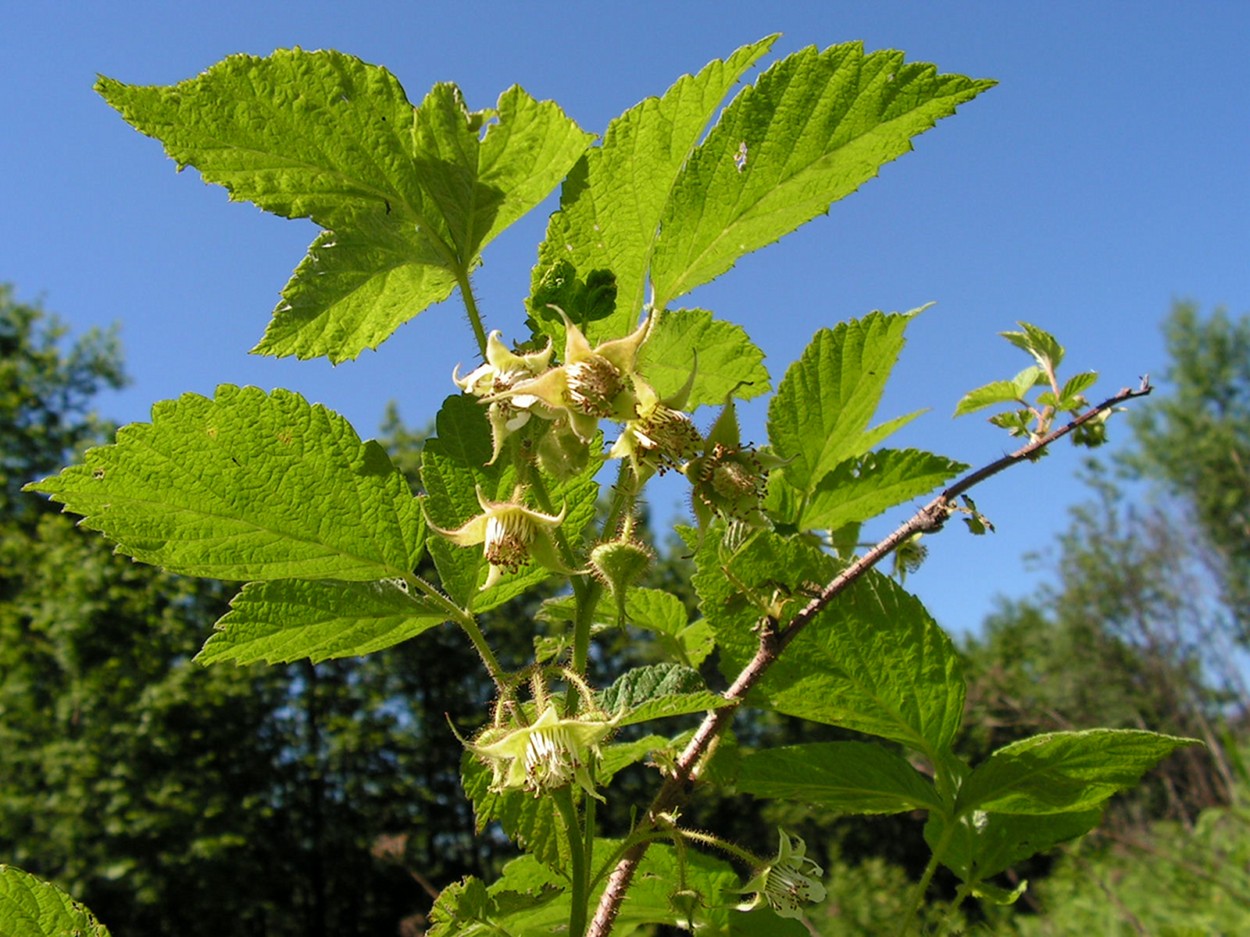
[
  {"x": 787, "y": 883},
  {"x": 729, "y": 478},
  {"x": 504, "y": 369},
  {"x": 590, "y": 384},
  {"x": 550, "y": 753},
  {"x": 659, "y": 436},
  {"x": 511, "y": 535}
]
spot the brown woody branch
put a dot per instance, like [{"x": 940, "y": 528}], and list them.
[{"x": 774, "y": 638}]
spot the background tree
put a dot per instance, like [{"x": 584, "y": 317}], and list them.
[{"x": 1195, "y": 441}]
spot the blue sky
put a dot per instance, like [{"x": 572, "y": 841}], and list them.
[{"x": 1105, "y": 177}]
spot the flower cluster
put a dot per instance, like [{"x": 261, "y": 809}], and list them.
[{"x": 590, "y": 384}]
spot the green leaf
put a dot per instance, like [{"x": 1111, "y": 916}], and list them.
[
  {"x": 997, "y": 392},
  {"x": 723, "y": 359},
  {"x": 247, "y": 485},
  {"x": 278, "y": 622},
  {"x": 530, "y": 822},
  {"x": 1039, "y": 343},
  {"x": 1070, "y": 396},
  {"x": 613, "y": 200},
  {"x": 411, "y": 195},
  {"x": 983, "y": 846},
  {"x": 655, "y": 610},
  {"x": 619, "y": 755},
  {"x": 811, "y": 130},
  {"x": 663, "y": 613},
  {"x": 873, "y": 660},
  {"x": 861, "y": 488},
  {"x": 33, "y": 908},
  {"x": 848, "y": 777},
  {"x": 1063, "y": 772},
  {"x": 659, "y": 691},
  {"x": 820, "y": 413},
  {"x": 466, "y": 909}
]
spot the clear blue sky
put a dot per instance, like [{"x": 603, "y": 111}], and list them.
[{"x": 1106, "y": 176}]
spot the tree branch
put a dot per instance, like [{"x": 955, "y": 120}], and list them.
[{"x": 774, "y": 638}]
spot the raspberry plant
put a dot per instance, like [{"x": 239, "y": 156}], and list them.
[{"x": 540, "y": 457}]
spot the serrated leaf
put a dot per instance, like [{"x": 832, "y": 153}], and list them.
[
  {"x": 820, "y": 413},
  {"x": 1078, "y": 384},
  {"x": 466, "y": 909},
  {"x": 278, "y": 622},
  {"x": 873, "y": 661},
  {"x": 658, "y": 691},
  {"x": 247, "y": 485},
  {"x": 655, "y": 610},
  {"x": 848, "y": 777},
  {"x": 860, "y": 489},
  {"x": 1064, "y": 772},
  {"x": 723, "y": 359},
  {"x": 997, "y": 392},
  {"x": 613, "y": 200},
  {"x": 1039, "y": 343},
  {"x": 33, "y": 908},
  {"x": 411, "y": 195},
  {"x": 811, "y": 130},
  {"x": 530, "y": 822},
  {"x": 979, "y": 848},
  {"x": 619, "y": 755}
]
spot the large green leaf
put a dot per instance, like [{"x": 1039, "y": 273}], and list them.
[
  {"x": 1063, "y": 772},
  {"x": 288, "y": 620},
  {"x": 721, "y": 357},
  {"x": 862, "y": 487},
  {"x": 982, "y": 846},
  {"x": 848, "y": 777},
  {"x": 247, "y": 485},
  {"x": 811, "y": 130},
  {"x": 820, "y": 414},
  {"x": 33, "y": 908},
  {"x": 873, "y": 660},
  {"x": 613, "y": 200},
  {"x": 410, "y": 195}
]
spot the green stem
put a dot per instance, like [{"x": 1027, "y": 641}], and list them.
[
  {"x": 467, "y": 623},
  {"x": 579, "y": 883},
  {"x": 470, "y": 306},
  {"x": 923, "y": 885}
]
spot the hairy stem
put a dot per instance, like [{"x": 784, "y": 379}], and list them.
[
  {"x": 774, "y": 637},
  {"x": 467, "y": 623},
  {"x": 470, "y": 307}
]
